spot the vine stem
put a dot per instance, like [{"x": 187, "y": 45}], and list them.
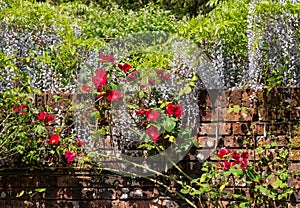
[
  {"x": 157, "y": 182},
  {"x": 155, "y": 172}
]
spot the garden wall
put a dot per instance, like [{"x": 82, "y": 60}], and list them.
[{"x": 255, "y": 117}]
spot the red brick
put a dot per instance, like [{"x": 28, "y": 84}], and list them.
[
  {"x": 236, "y": 97},
  {"x": 294, "y": 155},
  {"x": 294, "y": 182},
  {"x": 295, "y": 114},
  {"x": 237, "y": 141},
  {"x": 241, "y": 128},
  {"x": 246, "y": 97},
  {"x": 295, "y": 97},
  {"x": 210, "y": 129},
  {"x": 67, "y": 181}
]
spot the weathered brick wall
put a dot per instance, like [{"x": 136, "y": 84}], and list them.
[{"x": 262, "y": 119}]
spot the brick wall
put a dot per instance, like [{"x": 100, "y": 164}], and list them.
[{"x": 260, "y": 119}]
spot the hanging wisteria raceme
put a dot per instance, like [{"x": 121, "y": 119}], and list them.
[
  {"x": 273, "y": 45},
  {"x": 34, "y": 52}
]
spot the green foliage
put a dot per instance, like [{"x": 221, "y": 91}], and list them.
[{"x": 268, "y": 186}]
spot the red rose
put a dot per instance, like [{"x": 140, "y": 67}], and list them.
[
  {"x": 174, "y": 110},
  {"x": 244, "y": 164},
  {"x": 15, "y": 108},
  {"x": 23, "y": 107},
  {"x": 151, "y": 81},
  {"x": 143, "y": 86},
  {"x": 166, "y": 76},
  {"x": 109, "y": 58},
  {"x": 70, "y": 156},
  {"x": 100, "y": 79},
  {"x": 114, "y": 95},
  {"x": 45, "y": 117},
  {"x": 244, "y": 155},
  {"x": 226, "y": 165},
  {"x": 131, "y": 77},
  {"x": 124, "y": 67},
  {"x": 80, "y": 143},
  {"x": 236, "y": 156},
  {"x": 152, "y": 115},
  {"x": 153, "y": 133},
  {"x": 86, "y": 88},
  {"x": 142, "y": 111},
  {"x": 222, "y": 152},
  {"x": 159, "y": 72},
  {"x": 54, "y": 139}
]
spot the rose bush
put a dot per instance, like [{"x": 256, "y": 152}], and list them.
[{"x": 156, "y": 112}]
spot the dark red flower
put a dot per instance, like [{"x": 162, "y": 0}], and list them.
[
  {"x": 166, "y": 76},
  {"x": 23, "y": 107},
  {"x": 142, "y": 111},
  {"x": 86, "y": 88},
  {"x": 114, "y": 95},
  {"x": 44, "y": 117},
  {"x": 152, "y": 115},
  {"x": 226, "y": 165},
  {"x": 15, "y": 108},
  {"x": 53, "y": 139},
  {"x": 244, "y": 164},
  {"x": 102, "y": 57},
  {"x": 143, "y": 86},
  {"x": 80, "y": 143},
  {"x": 222, "y": 152},
  {"x": 153, "y": 133},
  {"x": 240, "y": 159},
  {"x": 159, "y": 72},
  {"x": 109, "y": 58},
  {"x": 70, "y": 156},
  {"x": 236, "y": 156},
  {"x": 173, "y": 109},
  {"x": 100, "y": 79},
  {"x": 20, "y": 109},
  {"x": 124, "y": 67},
  {"x": 178, "y": 111},
  {"x": 244, "y": 155},
  {"x": 131, "y": 77},
  {"x": 151, "y": 81}
]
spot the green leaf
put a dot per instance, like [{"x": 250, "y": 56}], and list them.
[
  {"x": 141, "y": 94},
  {"x": 223, "y": 186},
  {"x": 196, "y": 143},
  {"x": 244, "y": 204},
  {"x": 21, "y": 193},
  {"x": 40, "y": 190},
  {"x": 132, "y": 106},
  {"x": 40, "y": 129},
  {"x": 56, "y": 96},
  {"x": 260, "y": 150},
  {"x": 278, "y": 184},
  {"x": 192, "y": 84},
  {"x": 184, "y": 191},
  {"x": 236, "y": 108},
  {"x": 203, "y": 178},
  {"x": 187, "y": 89},
  {"x": 195, "y": 78},
  {"x": 169, "y": 124},
  {"x": 236, "y": 171}
]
